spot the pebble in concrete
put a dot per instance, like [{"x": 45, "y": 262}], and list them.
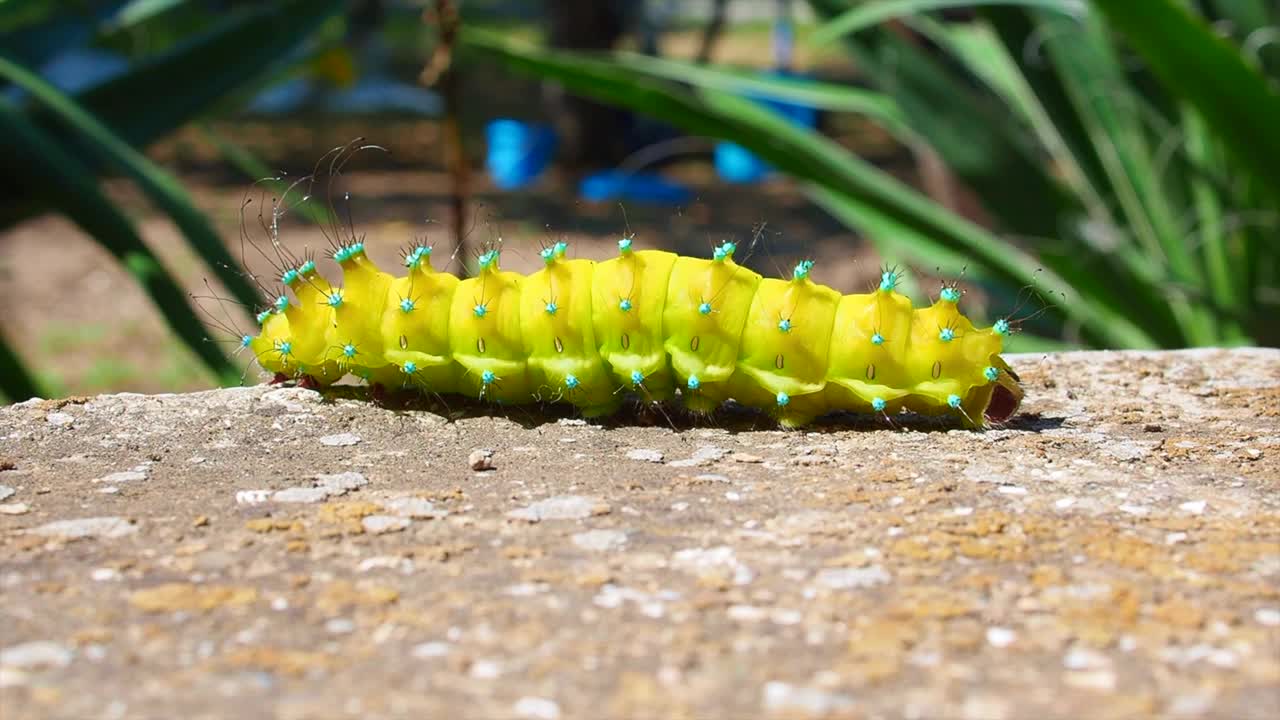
[
  {"x": 481, "y": 460},
  {"x": 300, "y": 495},
  {"x": 340, "y": 440},
  {"x": 414, "y": 507},
  {"x": 94, "y": 527},
  {"x": 853, "y": 578},
  {"x": 380, "y": 524},
  {"x": 563, "y": 507},
  {"x": 600, "y": 540},
  {"x": 36, "y": 654},
  {"x": 122, "y": 477},
  {"x": 340, "y": 483}
]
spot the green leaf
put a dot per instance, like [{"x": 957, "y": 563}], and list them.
[
  {"x": 21, "y": 15},
  {"x": 1105, "y": 274},
  {"x": 1193, "y": 63},
  {"x": 16, "y": 384},
  {"x": 163, "y": 91},
  {"x": 1255, "y": 26},
  {"x": 1109, "y": 108},
  {"x": 977, "y": 137},
  {"x": 992, "y": 151},
  {"x": 68, "y": 185},
  {"x": 881, "y": 201},
  {"x": 822, "y": 95},
  {"x": 870, "y": 14},
  {"x": 162, "y": 188},
  {"x": 137, "y": 12},
  {"x": 979, "y": 48}
]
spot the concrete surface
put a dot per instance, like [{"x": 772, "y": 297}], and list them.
[{"x": 1113, "y": 552}]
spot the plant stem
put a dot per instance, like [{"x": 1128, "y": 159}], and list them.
[{"x": 441, "y": 73}]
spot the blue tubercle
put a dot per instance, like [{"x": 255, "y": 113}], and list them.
[
  {"x": 480, "y": 310},
  {"x": 878, "y": 404},
  {"x": 416, "y": 256},
  {"x": 335, "y": 298},
  {"x": 349, "y": 350},
  {"x": 406, "y": 305},
  {"x": 637, "y": 378},
  {"x": 571, "y": 381},
  {"x": 946, "y": 334},
  {"x": 802, "y": 270},
  {"x": 888, "y": 280},
  {"x": 694, "y": 383},
  {"x": 487, "y": 377},
  {"x": 705, "y": 308},
  {"x": 246, "y": 340},
  {"x": 552, "y": 308},
  {"x": 784, "y": 325},
  {"x": 877, "y": 339},
  {"x": 263, "y": 317},
  {"x": 624, "y": 246},
  {"x": 285, "y": 347},
  {"x": 307, "y": 267},
  {"x": 951, "y": 294},
  {"x": 953, "y": 401},
  {"x": 488, "y": 259},
  {"x": 725, "y": 250},
  {"x": 281, "y": 304},
  {"x": 1001, "y": 327},
  {"x": 548, "y": 255},
  {"x": 410, "y": 367},
  {"x": 991, "y": 374},
  {"x": 560, "y": 248},
  {"x": 624, "y": 305},
  {"x": 289, "y": 277},
  {"x": 783, "y": 399}
]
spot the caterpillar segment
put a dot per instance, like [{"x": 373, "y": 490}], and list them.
[
  {"x": 628, "y": 299},
  {"x": 485, "y": 337},
  {"x": 564, "y": 361},
  {"x": 310, "y": 321},
  {"x": 707, "y": 306},
  {"x": 415, "y": 327},
  {"x": 646, "y": 322}
]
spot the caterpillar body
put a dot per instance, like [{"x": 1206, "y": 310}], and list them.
[{"x": 646, "y": 321}]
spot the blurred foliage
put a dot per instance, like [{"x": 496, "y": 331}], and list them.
[
  {"x": 1124, "y": 152},
  {"x": 133, "y": 72}
]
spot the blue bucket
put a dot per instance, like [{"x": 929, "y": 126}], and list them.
[
  {"x": 636, "y": 187},
  {"x": 517, "y": 151},
  {"x": 735, "y": 163}
]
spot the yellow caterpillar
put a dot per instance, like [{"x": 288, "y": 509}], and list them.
[{"x": 647, "y": 322}]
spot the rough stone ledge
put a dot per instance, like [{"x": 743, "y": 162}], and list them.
[{"x": 1114, "y": 551}]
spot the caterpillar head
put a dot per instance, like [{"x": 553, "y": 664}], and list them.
[{"x": 1006, "y": 395}]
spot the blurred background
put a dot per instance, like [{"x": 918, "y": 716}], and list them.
[{"x": 1107, "y": 172}]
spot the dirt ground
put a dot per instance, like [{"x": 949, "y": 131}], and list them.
[{"x": 267, "y": 552}]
